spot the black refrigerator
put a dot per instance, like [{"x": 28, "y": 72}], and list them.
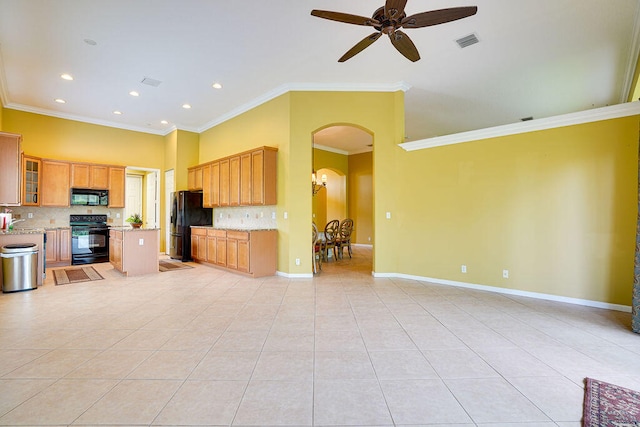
[{"x": 186, "y": 210}]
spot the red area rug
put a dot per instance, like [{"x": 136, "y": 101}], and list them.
[{"x": 608, "y": 405}]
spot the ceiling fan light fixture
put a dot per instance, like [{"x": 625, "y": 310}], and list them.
[
  {"x": 66, "y": 76},
  {"x": 216, "y": 86},
  {"x": 60, "y": 101},
  {"x": 467, "y": 41}
]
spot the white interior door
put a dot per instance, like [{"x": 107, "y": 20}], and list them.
[
  {"x": 133, "y": 202},
  {"x": 151, "y": 211},
  {"x": 169, "y": 187}
]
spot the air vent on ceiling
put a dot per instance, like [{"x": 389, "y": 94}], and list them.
[
  {"x": 526, "y": 119},
  {"x": 151, "y": 82},
  {"x": 467, "y": 41}
]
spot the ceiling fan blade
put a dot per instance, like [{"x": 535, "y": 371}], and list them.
[
  {"x": 364, "y": 43},
  {"x": 394, "y": 8},
  {"x": 435, "y": 17},
  {"x": 405, "y": 46},
  {"x": 344, "y": 17}
]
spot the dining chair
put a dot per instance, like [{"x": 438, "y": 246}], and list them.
[
  {"x": 331, "y": 233},
  {"x": 344, "y": 238},
  {"x": 317, "y": 249}
]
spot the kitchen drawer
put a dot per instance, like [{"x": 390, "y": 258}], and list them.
[
  {"x": 212, "y": 232},
  {"x": 198, "y": 231},
  {"x": 238, "y": 235}
]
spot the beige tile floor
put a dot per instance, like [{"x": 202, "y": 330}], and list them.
[{"x": 204, "y": 347}]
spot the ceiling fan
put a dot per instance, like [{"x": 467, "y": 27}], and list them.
[{"x": 389, "y": 19}]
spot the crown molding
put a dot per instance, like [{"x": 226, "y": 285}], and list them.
[
  {"x": 588, "y": 116},
  {"x": 634, "y": 51},
  {"x": 304, "y": 87}
]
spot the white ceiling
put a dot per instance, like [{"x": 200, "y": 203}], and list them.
[{"x": 535, "y": 58}]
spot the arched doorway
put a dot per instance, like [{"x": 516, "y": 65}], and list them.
[{"x": 343, "y": 154}]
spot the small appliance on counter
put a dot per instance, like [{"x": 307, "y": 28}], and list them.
[{"x": 186, "y": 210}]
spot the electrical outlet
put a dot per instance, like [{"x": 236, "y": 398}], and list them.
[
  {"x": 117, "y": 215},
  {"x": 29, "y": 215},
  {"x": 286, "y": 215},
  {"x": 141, "y": 242},
  {"x": 273, "y": 215},
  {"x": 463, "y": 268},
  {"x": 388, "y": 215},
  {"x": 247, "y": 215},
  {"x": 505, "y": 274},
  {"x": 297, "y": 261}
]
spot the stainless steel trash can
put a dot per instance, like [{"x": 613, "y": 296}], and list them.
[{"x": 19, "y": 267}]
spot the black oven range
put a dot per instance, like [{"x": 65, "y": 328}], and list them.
[{"x": 89, "y": 239}]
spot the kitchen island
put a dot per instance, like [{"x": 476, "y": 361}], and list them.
[
  {"x": 134, "y": 251},
  {"x": 35, "y": 235}
]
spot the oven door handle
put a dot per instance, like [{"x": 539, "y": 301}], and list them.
[{"x": 98, "y": 229}]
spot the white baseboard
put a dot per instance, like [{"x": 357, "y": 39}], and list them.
[{"x": 536, "y": 295}]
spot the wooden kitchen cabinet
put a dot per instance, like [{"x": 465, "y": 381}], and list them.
[
  {"x": 85, "y": 175},
  {"x": 115, "y": 249},
  {"x": 216, "y": 246},
  {"x": 58, "y": 247},
  {"x": 55, "y": 184},
  {"x": 199, "y": 244},
  {"x": 250, "y": 252},
  {"x": 263, "y": 176},
  {"x": 10, "y": 169},
  {"x": 246, "y": 179},
  {"x": 116, "y": 187},
  {"x": 206, "y": 186},
  {"x": 224, "y": 182},
  {"x": 234, "y": 181},
  {"x": 31, "y": 175},
  {"x": 194, "y": 178}
]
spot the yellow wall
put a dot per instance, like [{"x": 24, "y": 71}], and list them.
[
  {"x": 557, "y": 208},
  {"x": 361, "y": 197},
  {"x": 1, "y": 115},
  {"x": 56, "y": 138},
  {"x": 187, "y": 155},
  {"x": 265, "y": 125}
]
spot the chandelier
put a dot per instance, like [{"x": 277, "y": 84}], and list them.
[{"x": 315, "y": 186}]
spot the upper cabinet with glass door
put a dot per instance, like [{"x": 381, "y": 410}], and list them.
[{"x": 31, "y": 168}]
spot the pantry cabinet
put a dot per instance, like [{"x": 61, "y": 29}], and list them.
[
  {"x": 10, "y": 168},
  {"x": 250, "y": 252},
  {"x": 55, "y": 183},
  {"x": 31, "y": 175}
]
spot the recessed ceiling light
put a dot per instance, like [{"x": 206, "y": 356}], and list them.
[
  {"x": 118, "y": 113},
  {"x": 164, "y": 122},
  {"x": 186, "y": 106},
  {"x": 217, "y": 86},
  {"x": 134, "y": 93},
  {"x": 60, "y": 101},
  {"x": 90, "y": 42},
  {"x": 66, "y": 76}
]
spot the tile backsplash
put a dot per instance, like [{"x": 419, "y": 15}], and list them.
[
  {"x": 59, "y": 217},
  {"x": 241, "y": 218},
  {"x": 246, "y": 217}
]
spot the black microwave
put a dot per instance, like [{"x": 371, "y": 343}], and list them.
[{"x": 87, "y": 197}]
